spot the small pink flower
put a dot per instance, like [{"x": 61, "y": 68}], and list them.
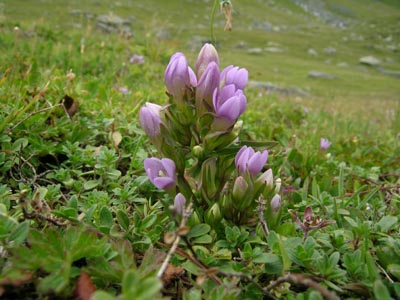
[
  {"x": 137, "y": 59},
  {"x": 124, "y": 90},
  {"x": 324, "y": 144},
  {"x": 247, "y": 160},
  {"x": 161, "y": 172}
]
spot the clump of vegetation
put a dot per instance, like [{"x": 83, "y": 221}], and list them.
[{"x": 90, "y": 209}]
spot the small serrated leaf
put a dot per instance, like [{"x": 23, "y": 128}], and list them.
[{"x": 19, "y": 234}]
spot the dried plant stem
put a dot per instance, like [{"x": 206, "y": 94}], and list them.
[
  {"x": 305, "y": 281},
  {"x": 187, "y": 212},
  {"x": 261, "y": 217}
]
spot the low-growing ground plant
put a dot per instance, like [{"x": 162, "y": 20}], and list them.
[{"x": 127, "y": 174}]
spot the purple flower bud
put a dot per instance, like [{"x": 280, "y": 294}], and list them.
[
  {"x": 207, "y": 55},
  {"x": 178, "y": 76},
  {"x": 179, "y": 203},
  {"x": 150, "y": 120},
  {"x": 276, "y": 203},
  {"x": 208, "y": 82},
  {"x": 308, "y": 214},
  {"x": 124, "y": 90},
  {"x": 266, "y": 178},
  {"x": 249, "y": 160},
  {"x": 324, "y": 144},
  {"x": 234, "y": 75},
  {"x": 161, "y": 172},
  {"x": 229, "y": 102},
  {"x": 136, "y": 59},
  {"x": 240, "y": 187}
]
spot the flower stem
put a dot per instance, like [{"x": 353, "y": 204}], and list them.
[{"x": 213, "y": 41}]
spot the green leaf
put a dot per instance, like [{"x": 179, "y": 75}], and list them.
[
  {"x": 387, "y": 223},
  {"x": 265, "y": 258},
  {"x": 123, "y": 219},
  {"x": 204, "y": 239},
  {"x": 106, "y": 218},
  {"x": 101, "y": 295},
  {"x": 199, "y": 230},
  {"x": 90, "y": 184},
  {"x": 380, "y": 291},
  {"x": 136, "y": 287},
  {"x": 351, "y": 221},
  {"x": 394, "y": 269},
  {"x": 19, "y": 234}
]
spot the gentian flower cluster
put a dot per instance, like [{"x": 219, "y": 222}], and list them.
[{"x": 197, "y": 136}]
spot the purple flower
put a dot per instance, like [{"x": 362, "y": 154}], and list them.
[
  {"x": 229, "y": 103},
  {"x": 249, "y": 160},
  {"x": 178, "y": 76},
  {"x": 208, "y": 82},
  {"x": 234, "y": 75},
  {"x": 161, "y": 172},
  {"x": 150, "y": 120},
  {"x": 179, "y": 203},
  {"x": 136, "y": 59},
  {"x": 276, "y": 203},
  {"x": 124, "y": 90},
  {"x": 207, "y": 55},
  {"x": 324, "y": 144}
]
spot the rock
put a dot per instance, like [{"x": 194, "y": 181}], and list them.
[
  {"x": 322, "y": 11},
  {"x": 255, "y": 50},
  {"x": 318, "y": 74},
  {"x": 270, "y": 87},
  {"x": 273, "y": 49},
  {"x": 114, "y": 24},
  {"x": 370, "y": 61},
  {"x": 394, "y": 73},
  {"x": 265, "y": 26},
  {"x": 163, "y": 34},
  {"x": 388, "y": 39},
  {"x": 330, "y": 51},
  {"x": 392, "y": 48},
  {"x": 342, "y": 65},
  {"x": 312, "y": 52},
  {"x": 76, "y": 12},
  {"x": 241, "y": 45}
]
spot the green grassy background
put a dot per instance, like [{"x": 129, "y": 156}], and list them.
[{"x": 187, "y": 23}]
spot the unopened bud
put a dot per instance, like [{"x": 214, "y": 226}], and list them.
[
  {"x": 278, "y": 183},
  {"x": 266, "y": 178},
  {"x": 213, "y": 215},
  {"x": 239, "y": 188},
  {"x": 237, "y": 127},
  {"x": 197, "y": 150},
  {"x": 276, "y": 203},
  {"x": 179, "y": 203}
]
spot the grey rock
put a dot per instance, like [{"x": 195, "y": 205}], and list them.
[
  {"x": 273, "y": 88},
  {"x": 342, "y": 65},
  {"x": 265, "y": 26},
  {"x": 273, "y": 50},
  {"x": 321, "y": 10},
  {"x": 312, "y": 52},
  {"x": 241, "y": 45},
  {"x": 330, "y": 50},
  {"x": 255, "y": 50},
  {"x": 163, "y": 34},
  {"x": 318, "y": 74},
  {"x": 114, "y": 24},
  {"x": 393, "y": 73},
  {"x": 370, "y": 61}
]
